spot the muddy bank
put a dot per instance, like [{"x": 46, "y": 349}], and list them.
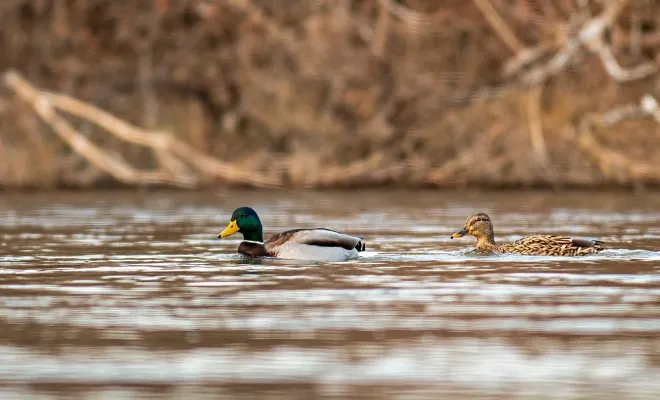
[{"x": 326, "y": 94}]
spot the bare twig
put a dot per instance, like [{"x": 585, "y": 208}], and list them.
[
  {"x": 166, "y": 146},
  {"x": 380, "y": 32},
  {"x": 554, "y": 66},
  {"x": 622, "y": 74},
  {"x": 650, "y": 106},
  {"x": 115, "y": 166},
  {"x": 613, "y": 163},
  {"x": 536, "y": 126},
  {"x": 498, "y": 25},
  {"x": 414, "y": 21},
  {"x": 157, "y": 140},
  {"x": 524, "y": 58},
  {"x": 591, "y": 36}
]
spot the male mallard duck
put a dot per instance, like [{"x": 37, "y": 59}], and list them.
[
  {"x": 297, "y": 244},
  {"x": 479, "y": 226}
]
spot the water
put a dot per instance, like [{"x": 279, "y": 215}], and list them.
[{"x": 131, "y": 295}]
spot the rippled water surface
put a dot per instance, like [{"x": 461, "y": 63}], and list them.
[{"x": 133, "y": 296}]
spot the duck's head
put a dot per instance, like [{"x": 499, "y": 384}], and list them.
[
  {"x": 479, "y": 226},
  {"x": 246, "y": 221}
]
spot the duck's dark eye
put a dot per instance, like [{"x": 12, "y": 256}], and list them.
[{"x": 244, "y": 215}]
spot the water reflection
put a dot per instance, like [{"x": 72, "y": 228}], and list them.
[{"x": 132, "y": 295}]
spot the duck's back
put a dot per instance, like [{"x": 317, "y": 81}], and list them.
[
  {"x": 314, "y": 244},
  {"x": 550, "y": 245}
]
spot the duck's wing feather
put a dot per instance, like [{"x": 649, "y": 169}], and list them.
[
  {"x": 553, "y": 245},
  {"x": 586, "y": 243},
  {"x": 316, "y": 237}
]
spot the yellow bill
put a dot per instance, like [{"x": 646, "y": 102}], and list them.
[{"x": 229, "y": 230}]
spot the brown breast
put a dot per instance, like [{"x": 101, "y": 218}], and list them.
[{"x": 252, "y": 249}]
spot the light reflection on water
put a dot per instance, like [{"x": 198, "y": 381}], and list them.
[{"x": 132, "y": 295}]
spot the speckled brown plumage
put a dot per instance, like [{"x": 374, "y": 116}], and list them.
[{"x": 480, "y": 226}]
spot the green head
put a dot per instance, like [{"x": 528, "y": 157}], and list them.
[{"x": 246, "y": 221}]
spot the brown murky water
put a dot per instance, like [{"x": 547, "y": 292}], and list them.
[{"x": 133, "y": 296}]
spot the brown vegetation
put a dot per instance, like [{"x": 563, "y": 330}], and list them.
[{"x": 324, "y": 93}]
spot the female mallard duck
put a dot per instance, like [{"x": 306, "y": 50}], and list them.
[
  {"x": 479, "y": 226},
  {"x": 297, "y": 244}
]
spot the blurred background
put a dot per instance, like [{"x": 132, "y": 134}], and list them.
[
  {"x": 425, "y": 109},
  {"x": 326, "y": 93}
]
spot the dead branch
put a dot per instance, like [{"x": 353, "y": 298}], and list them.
[
  {"x": 413, "y": 21},
  {"x": 619, "y": 73},
  {"x": 536, "y": 126},
  {"x": 167, "y": 147},
  {"x": 591, "y": 36},
  {"x": 499, "y": 26},
  {"x": 554, "y": 66},
  {"x": 157, "y": 141},
  {"x": 613, "y": 163},
  {"x": 650, "y": 106},
  {"x": 525, "y": 57},
  {"x": 113, "y": 165},
  {"x": 381, "y": 30}
]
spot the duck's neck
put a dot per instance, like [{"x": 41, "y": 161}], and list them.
[
  {"x": 486, "y": 242},
  {"x": 254, "y": 234}
]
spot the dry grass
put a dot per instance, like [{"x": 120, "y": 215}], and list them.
[{"x": 324, "y": 93}]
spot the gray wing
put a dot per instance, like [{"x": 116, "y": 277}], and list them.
[{"x": 317, "y": 237}]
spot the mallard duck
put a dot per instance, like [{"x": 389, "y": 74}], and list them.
[
  {"x": 317, "y": 244},
  {"x": 479, "y": 226}
]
